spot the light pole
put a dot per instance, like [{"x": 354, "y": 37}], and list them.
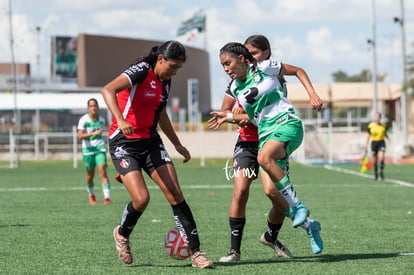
[
  {"x": 16, "y": 112},
  {"x": 372, "y": 41},
  {"x": 37, "y": 79},
  {"x": 404, "y": 98},
  {"x": 37, "y": 57},
  {"x": 14, "y": 73}
]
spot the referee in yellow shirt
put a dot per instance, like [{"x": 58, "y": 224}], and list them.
[{"x": 376, "y": 133}]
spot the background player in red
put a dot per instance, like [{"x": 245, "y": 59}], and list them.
[{"x": 137, "y": 100}]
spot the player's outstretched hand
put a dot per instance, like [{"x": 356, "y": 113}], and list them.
[{"x": 217, "y": 119}]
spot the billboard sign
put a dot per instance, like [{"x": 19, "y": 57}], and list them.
[{"x": 64, "y": 58}]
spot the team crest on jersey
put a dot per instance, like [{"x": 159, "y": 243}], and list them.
[
  {"x": 256, "y": 77},
  {"x": 152, "y": 84},
  {"x": 124, "y": 163}
]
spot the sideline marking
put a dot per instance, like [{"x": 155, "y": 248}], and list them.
[
  {"x": 29, "y": 189},
  {"x": 356, "y": 173},
  {"x": 406, "y": 254}
]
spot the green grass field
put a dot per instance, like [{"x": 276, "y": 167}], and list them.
[{"x": 48, "y": 227}]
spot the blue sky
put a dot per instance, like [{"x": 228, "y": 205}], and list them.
[{"x": 321, "y": 36}]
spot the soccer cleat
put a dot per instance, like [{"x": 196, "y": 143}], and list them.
[
  {"x": 122, "y": 246},
  {"x": 376, "y": 176},
  {"x": 314, "y": 236},
  {"x": 382, "y": 175},
  {"x": 300, "y": 213},
  {"x": 198, "y": 260},
  {"x": 278, "y": 247},
  {"x": 92, "y": 199},
  {"x": 107, "y": 201},
  {"x": 232, "y": 256}
]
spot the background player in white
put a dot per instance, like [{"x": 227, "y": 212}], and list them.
[{"x": 90, "y": 128}]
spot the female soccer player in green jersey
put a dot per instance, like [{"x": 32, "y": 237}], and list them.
[
  {"x": 280, "y": 130},
  {"x": 90, "y": 128}
]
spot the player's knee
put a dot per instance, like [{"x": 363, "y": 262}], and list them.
[
  {"x": 264, "y": 161},
  {"x": 241, "y": 196},
  {"x": 141, "y": 203}
]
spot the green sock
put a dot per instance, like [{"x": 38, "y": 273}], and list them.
[
  {"x": 282, "y": 183},
  {"x": 288, "y": 212}
]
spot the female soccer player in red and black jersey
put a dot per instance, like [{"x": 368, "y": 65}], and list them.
[{"x": 137, "y": 100}]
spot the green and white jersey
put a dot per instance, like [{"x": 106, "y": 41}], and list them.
[
  {"x": 263, "y": 99},
  {"x": 95, "y": 143},
  {"x": 273, "y": 68}
]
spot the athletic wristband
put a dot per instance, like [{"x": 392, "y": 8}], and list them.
[{"x": 229, "y": 116}]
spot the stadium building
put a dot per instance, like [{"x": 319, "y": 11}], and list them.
[{"x": 82, "y": 65}]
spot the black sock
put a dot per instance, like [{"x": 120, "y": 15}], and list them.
[
  {"x": 130, "y": 218},
  {"x": 236, "y": 232},
  {"x": 185, "y": 222},
  {"x": 272, "y": 231}
]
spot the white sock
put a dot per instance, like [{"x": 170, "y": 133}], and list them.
[
  {"x": 90, "y": 189},
  {"x": 106, "y": 190},
  {"x": 290, "y": 196}
]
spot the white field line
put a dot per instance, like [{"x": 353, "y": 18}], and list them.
[
  {"x": 356, "y": 173},
  {"x": 224, "y": 186},
  {"x": 32, "y": 189}
]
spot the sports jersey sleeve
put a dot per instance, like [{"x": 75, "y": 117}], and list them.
[
  {"x": 103, "y": 122},
  {"x": 270, "y": 67},
  {"x": 137, "y": 73},
  {"x": 228, "y": 90},
  {"x": 81, "y": 123},
  {"x": 369, "y": 128}
]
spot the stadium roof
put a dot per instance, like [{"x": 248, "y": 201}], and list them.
[
  {"x": 346, "y": 94},
  {"x": 48, "y": 101}
]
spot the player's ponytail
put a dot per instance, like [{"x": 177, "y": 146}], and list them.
[{"x": 170, "y": 50}]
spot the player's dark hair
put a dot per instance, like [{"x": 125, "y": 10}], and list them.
[
  {"x": 92, "y": 99},
  {"x": 170, "y": 50},
  {"x": 236, "y": 49},
  {"x": 260, "y": 42}
]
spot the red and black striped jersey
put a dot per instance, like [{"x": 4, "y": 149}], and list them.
[{"x": 142, "y": 103}]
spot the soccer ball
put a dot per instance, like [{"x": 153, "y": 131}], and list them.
[{"x": 176, "y": 245}]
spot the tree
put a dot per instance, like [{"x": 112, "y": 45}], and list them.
[{"x": 363, "y": 76}]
